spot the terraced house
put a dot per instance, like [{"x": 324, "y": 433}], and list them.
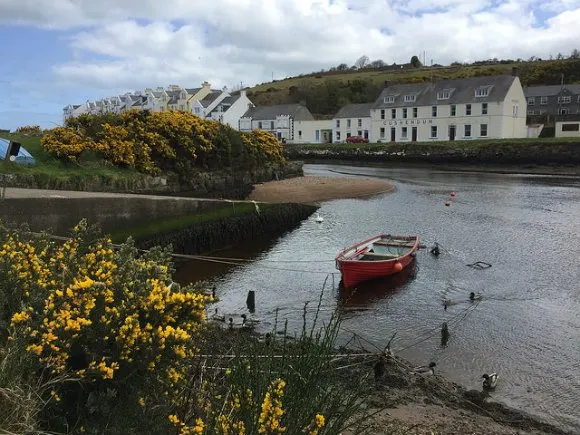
[
  {"x": 553, "y": 100},
  {"x": 280, "y": 120},
  {"x": 462, "y": 109},
  {"x": 352, "y": 120}
]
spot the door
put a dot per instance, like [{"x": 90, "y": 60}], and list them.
[
  {"x": 451, "y": 132},
  {"x": 393, "y": 132},
  {"x": 366, "y": 134},
  {"x": 414, "y": 134}
]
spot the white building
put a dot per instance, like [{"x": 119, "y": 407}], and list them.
[
  {"x": 569, "y": 127},
  {"x": 230, "y": 109},
  {"x": 315, "y": 131},
  {"x": 278, "y": 120},
  {"x": 352, "y": 120},
  {"x": 473, "y": 108}
]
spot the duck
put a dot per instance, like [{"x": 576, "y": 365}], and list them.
[
  {"x": 474, "y": 296},
  {"x": 425, "y": 370},
  {"x": 444, "y": 334},
  {"x": 489, "y": 381},
  {"x": 248, "y": 323},
  {"x": 319, "y": 219},
  {"x": 448, "y": 302}
]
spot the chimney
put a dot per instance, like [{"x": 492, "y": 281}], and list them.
[
  {"x": 515, "y": 71},
  {"x": 242, "y": 93},
  {"x": 205, "y": 84}
]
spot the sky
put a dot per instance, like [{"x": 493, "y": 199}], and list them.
[{"x": 59, "y": 52}]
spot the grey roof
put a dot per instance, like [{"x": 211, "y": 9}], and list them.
[
  {"x": 355, "y": 111},
  {"x": 547, "y": 91},
  {"x": 173, "y": 96},
  {"x": 228, "y": 101},
  {"x": 462, "y": 91},
  {"x": 192, "y": 91},
  {"x": 297, "y": 111},
  {"x": 210, "y": 98}
]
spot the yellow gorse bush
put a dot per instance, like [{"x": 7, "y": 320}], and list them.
[{"x": 151, "y": 142}]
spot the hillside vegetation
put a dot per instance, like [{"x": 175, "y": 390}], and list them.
[{"x": 326, "y": 92}]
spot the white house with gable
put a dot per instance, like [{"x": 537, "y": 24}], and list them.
[
  {"x": 279, "y": 120},
  {"x": 230, "y": 109},
  {"x": 474, "y": 108},
  {"x": 352, "y": 120}
]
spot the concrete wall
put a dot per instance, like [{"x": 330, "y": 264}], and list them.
[
  {"x": 59, "y": 215},
  {"x": 572, "y": 129},
  {"x": 305, "y": 131}
]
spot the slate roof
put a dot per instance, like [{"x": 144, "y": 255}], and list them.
[
  {"x": 192, "y": 91},
  {"x": 552, "y": 90},
  {"x": 210, "y": 98},
  {"x": 355, "y": 111},
  {"x": 173, "y": 96},
  {"x": 462, "y": 91},
  {"x": 263, "y": 113},
  {"x": 228, "y": 101}
]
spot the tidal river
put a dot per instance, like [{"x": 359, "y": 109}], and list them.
[{"x": 527, "y": 325}]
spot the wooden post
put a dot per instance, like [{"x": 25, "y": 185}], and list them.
[{"x": 251, "y": 301}]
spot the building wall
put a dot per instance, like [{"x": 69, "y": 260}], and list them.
[
  {"x": 282, "y": 127},
  {"x": 514, "y": 112},
  {"x": 568, "y": 129},
  {"x": 313, "y": 131},
  {"x": 341, "y": 128},
  {"x": 232, "y": 116}
]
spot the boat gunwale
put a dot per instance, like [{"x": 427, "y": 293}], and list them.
[{"x": 341, "y": 259}]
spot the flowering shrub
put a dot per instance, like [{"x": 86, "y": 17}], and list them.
[
  {"x": 103, "y": 316},
  {"x": 151, "y": 142},
  {"x": 29, "y": 130}
]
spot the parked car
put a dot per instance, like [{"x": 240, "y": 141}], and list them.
[{"x": 356, "y": 139}]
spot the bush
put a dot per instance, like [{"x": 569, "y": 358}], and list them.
[{"x": 29, "y": 130}]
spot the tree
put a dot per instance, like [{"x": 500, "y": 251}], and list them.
[
  {"x": 416, "y": 62},
  {"x": 575, "y": 54},
  {"x": 362, "y": 62},
  {"x": 342, "y": 67},
  {"x": 377, "y": 64}
]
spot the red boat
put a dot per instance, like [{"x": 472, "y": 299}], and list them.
[{"x": 379, "y": 256}]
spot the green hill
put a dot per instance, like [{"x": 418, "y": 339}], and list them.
[{"x": 325, "y": 92}]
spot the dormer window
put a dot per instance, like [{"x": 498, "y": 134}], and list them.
[
  {"x": 482, "y": 91},
  {"x": 410, "y": 98},
  {"x": 389, "y": 99},
  {"x": 444, "y": 94}
]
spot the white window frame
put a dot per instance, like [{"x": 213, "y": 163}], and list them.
[
  {"x": 415, "y": 112},
  {"x": 465, "y": 130},
  {"x": 393, "y": 113},
  {"x": 531, "y": 101},
  {"x": 382, "y": 133},
  {"x": 383, "y": 113},
  {"x": 481, "y": 130},
  {"x": 565, "y": 99},
  {"x": 411, "y": 98},
  {"x": 360, "y": 122},
  {"x": 434, "y": 111},
  {"x": 445, "y": 94},
  {"x": 348, "y": 123},
  {"x": 482, "y": 91},
  {"x": 543, "y": 101},
  {"x": 404, "y": 112},
  {"x": 338, "y": 123},
  {"x": 389, "y": 100},
  {"x": 404, "y": 133},
  {"x": 563, "y": 111},
  {"x": 433, "y": 128},
  {"x": 484, "y": 105},
  {"x": 468, "y": 110},
  {"x": 453, "y": 110}
]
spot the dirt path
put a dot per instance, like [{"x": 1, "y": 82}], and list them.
[{"x": 316, "y": 189}]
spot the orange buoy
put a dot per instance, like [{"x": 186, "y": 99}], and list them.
[
  {"x": 452, "y": 194},
  {"x": 447, "y": 203},
  {"x": 397, "y": 267}
]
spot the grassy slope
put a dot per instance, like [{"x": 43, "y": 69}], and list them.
[{"x": 48, "y": 166}]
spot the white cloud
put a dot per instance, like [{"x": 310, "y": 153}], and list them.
[{"x": 138, "y": 43}]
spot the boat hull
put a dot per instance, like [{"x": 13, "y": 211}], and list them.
[{"x": 355, "y": 270}]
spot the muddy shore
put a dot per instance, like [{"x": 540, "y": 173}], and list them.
[{"x": 310, "y": 190}]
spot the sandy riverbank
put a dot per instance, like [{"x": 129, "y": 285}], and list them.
[{"x": 310, "y": 190}]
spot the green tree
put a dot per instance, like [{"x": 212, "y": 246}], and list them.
[{"x": 416, "y": 62}]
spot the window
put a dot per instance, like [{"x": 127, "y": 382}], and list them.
[
  {"x": 444, "y": 94},
  {"x": 565, "y": 99},
  {"x": 483, "y": 130},
  {"x": 403, "y": 132},
  {"x": 571, "y": 127},
  {"x": 389, "y": 99},
  {"x": 410, "y": 98},
  {"x": 338, "y": 135},
  {"x": 531, "y": 101},
  {"x": 360, "y": 122},
  {"x": 434, "y": 111},
  {"x": 433, "y": 131},
  {"x": 543, "y": 101},
  {"x": 271, "y": 125},
  {"x": 482, "y": 92},
  {"x": 563, "y": 111},
  {"x": 468, "y": 109},
  {"x": 515, "y": 111},
  {"x": 338, "y": 123},
  {"x": 404, "y": 112},
  {"x": 415, "y": 112},
  {"x": 360, "y": 133},
  {"x": 348, "y": 134},
  {"x": 453, "y": 110},
  {"x": 382, "y": 133},
  {"x": 530, "y": 111},
  {"x": 382, "y": 113},
  {"x": 484, "y": 108},
  {"x": 393, "y": 113},
  {"x": 299, "y": 134},
  {"x": 260, "y": 124},
  {"x": 348, "y": 123},
  {"x": 467, "y": 130}
]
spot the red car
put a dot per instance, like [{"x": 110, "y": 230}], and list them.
[{"x": 356, "y": 139}]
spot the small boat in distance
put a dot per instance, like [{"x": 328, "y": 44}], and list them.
[{"x": 379, "y": 256}]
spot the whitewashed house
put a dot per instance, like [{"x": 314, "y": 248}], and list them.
[
  {"x": 230, "y": 109},
  {"x": 352, "y": 120},
  {"x": 474, "y": 108},
  {"x": 74, "y": 110},
  {"x": 278, "y": 120}
]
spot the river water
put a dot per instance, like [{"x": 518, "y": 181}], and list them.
[{"x": 527, "y": 325}]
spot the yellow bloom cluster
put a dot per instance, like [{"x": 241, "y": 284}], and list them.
[
  {"x": 316, "y": 425},
  {"x": 272, "y": 411},
  {"x": 100, "y": 313},
  {"x": 187, "y": 430}
]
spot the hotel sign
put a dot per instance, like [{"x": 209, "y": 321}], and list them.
[{"x": 408, "y": 122}]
